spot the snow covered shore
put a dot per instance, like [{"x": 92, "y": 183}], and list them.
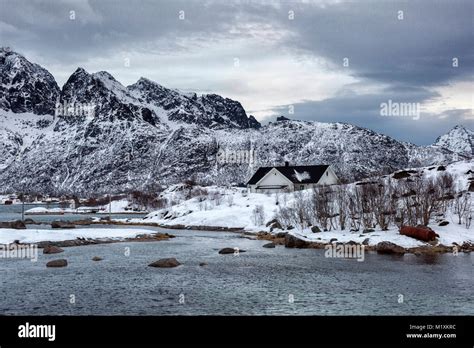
[
  {"x": 448, "y": 235},
  {"x": 236, "y": 208},
  {"x": 115, "y": 207},
  {"x": 8, "y": 236}
]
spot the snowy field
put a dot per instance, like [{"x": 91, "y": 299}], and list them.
[
  {"x": 114, "y": 207},
  {"x": 38, "y": 235}
]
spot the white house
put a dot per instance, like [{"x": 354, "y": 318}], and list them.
[{"x": 291, "y": 178}]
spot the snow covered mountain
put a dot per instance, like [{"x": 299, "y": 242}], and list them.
[
  {"x": 459, "y": 139},
  {"x": 146, "y": 134},
  {"x": 25, "y": 86}
]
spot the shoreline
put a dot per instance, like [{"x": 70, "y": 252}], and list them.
[
  {"x": 288, "y": 240},
  {"x": 146, "y": 237},
  {"x": 284, "y": 238}
]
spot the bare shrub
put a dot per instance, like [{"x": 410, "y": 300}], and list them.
[
  {"x": 215, "y": 197},
  {"x": 258, "y": 215},
  {"x": 342, "y": 204},
  {"x": 230, "y": 200},
  {"x": 462, "y": 206}
]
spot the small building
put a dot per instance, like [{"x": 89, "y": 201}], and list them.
[{"x": 291, "y": 178}]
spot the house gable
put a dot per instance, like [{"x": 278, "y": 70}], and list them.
[
  {"x": 292, "y": 177},
  {"x": 328, "y": 177},
  {"x": 274, "y": 178}
]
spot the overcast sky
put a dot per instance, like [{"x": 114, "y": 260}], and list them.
[{"x": 309, "y": 60}]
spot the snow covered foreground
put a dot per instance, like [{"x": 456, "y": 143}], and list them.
[{"x": 37, "y": 235}]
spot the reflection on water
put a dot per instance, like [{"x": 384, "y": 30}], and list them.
[
  {"x": 429, "y": 259},
  {"x": 257, "y": 282}
]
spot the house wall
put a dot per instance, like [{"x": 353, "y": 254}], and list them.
[
  {"x": 328, "y": 178},
  {"x": 273, "y": 178}
]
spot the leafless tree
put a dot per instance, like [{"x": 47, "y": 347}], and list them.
[
  {"x": 258, "y": 215},
  {"x": 462, "y": 205}
]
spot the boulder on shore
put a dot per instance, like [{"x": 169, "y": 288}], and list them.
[
  {"x": 52, "y": 249},
  {"x": 271, "y": 222},
  {"x": 62, "y": 224},
  {"x": 315, "y": 229},
  {"x": 389, "y": 248},
  {"x": 57, "y": 263},
  {"x": 419, "y": 232},
  {"x": 165, "y": 263},
  {"x": 17, "y": 225},
  {"x": 281, "y": 234},
  {"x": 269, "y": 245},
  {"x": 293, "y": 242}
]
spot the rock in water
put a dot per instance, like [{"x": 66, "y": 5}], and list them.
[
  {"x": 97, "y": 258},
  {"x": 57, "y": 263},
  {"x": 51, "y": 249},
  {"x": 269, "y": 245},
  {"x": 165, "y": 263},
  {"x": 389, "y": 248},
  {"x": 226, "y": 251}
]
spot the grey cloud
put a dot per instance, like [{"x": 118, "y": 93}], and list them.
[
  {"x": 409, "y": 58},
  {"x": 417, "y": 50}
]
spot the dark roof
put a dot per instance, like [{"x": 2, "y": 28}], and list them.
[{"x": 296, "y": 174}]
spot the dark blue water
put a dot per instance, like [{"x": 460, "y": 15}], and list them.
[{"x": 259, "y": 281}]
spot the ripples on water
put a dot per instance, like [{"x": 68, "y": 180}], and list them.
[{"x": 258, "y": 282}]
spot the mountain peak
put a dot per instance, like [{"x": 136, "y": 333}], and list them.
[
  {"x": 31, "y": 88},
  {"x": 459, "y": 139},
  {"x": 145, "y": 84},
  {"x": 104, "y": 75},
  {"x": 80, "y": 70},
  {"x": 145, "y": 80},
  {"x": 459, "y": 127}
]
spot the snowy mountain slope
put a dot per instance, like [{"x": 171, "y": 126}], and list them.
[
  {"x": 25, "y": 86},
  {"x": 459, "y": 139},
  {"x": 145, "y": 134},
  {"x": 212, "y": 111},
  {"x": 19, "y": 132}
]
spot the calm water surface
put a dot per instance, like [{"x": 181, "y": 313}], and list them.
[{"x": 258, "y": 282}]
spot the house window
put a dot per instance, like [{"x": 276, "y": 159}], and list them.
[
  {"x": 301, "y": 187},
  {"x": 327, "y": 174}
]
